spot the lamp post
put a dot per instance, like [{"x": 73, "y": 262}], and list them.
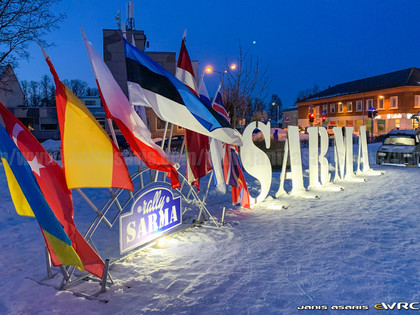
[
  {"x": 210, "y": 69},
  {"x": 277, "y": 112}
]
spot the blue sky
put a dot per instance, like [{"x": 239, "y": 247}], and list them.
[{"x": 305, "y": 42}]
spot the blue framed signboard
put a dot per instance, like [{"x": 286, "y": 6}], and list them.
[{"x": 154, "y": 212}]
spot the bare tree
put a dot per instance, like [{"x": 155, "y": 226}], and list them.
[
  {"x": 247, "y": 83},
  {"x": 47, "y": 98},
  {"x": 78, "y": 87},
  {"x": 34, "y": 95},
  {"x": 21, "y": 22}
]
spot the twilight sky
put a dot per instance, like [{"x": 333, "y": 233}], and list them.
[{"x": 305, "y": 42}]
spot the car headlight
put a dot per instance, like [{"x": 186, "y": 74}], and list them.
[
  {"x": 407, "y": 155},
  {"x": 381, "y": 154}
]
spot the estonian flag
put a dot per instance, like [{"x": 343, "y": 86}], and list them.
[{"x": 151, "y": 85}]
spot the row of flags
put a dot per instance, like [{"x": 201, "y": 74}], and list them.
[{"x": 40, "y": 187}]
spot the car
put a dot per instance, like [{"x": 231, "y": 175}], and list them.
[{"x": 400, "y": 147}]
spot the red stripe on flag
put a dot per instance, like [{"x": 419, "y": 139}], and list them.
[{"x": 149, "y": 155}]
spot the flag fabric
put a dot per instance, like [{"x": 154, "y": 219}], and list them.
[
  {"x": 233, "y": 174},
  {"x": 218, "y": 105},
  {"x": 50, "y": 178},
  {"x": 216, "y": 146},
  {"x": 235, "y": 177},
  {"x": 24, "y": 185},
  {"x": 151, "y": 85},
  {"x": 90, "y": 158},
  {"x": 128, "y": 121},
  {"x": 196, "y": 144},
  {"x": 203, "y": 93},
  {"x": 216, "y": 154}
]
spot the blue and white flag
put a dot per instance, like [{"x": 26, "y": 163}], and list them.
[{"x": 151, "y": 85}]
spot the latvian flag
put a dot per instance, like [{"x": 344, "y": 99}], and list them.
[
  {"x": 151, "y": 85},
  {"x": 197, "y": 145}
]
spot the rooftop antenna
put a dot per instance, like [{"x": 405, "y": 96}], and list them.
[
  {"x": 118, "y": 18},
  {"x": 130, "y": 23}
]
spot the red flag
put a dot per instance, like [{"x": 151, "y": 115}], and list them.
[
  {"x": 50, "y": 178},
  {"x": 235, "y": 177},
  {"x": 197, "y": 145}
]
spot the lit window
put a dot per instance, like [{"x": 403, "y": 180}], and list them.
[
  {"x": 349, "y": 106},
  {"x": 332, "y": 108},
  {"x": 381, "y": 103},
  {"x": 358, "y": 106},
  {"x": 393, "y": 102},
  {"x": 369, "y": 104},
  {"x": 416, "y": 100},
  {"x": 340, "y": 107}
]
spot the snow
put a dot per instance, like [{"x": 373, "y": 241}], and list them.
[{"x": 357, "y": 246}]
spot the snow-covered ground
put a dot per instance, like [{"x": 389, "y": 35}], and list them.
[{"x": 360, "y": 246}]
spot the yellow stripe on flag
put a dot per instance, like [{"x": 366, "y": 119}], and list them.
[
  {"x": 65, "y": 253},
  {"x": 87, "y": 149},
  {"x": 18, "y": 198}
]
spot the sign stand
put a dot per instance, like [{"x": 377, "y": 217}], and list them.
[{"x": 186, "y": 192}]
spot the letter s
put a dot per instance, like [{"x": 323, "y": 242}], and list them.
[{"x": 255, "y": 161}]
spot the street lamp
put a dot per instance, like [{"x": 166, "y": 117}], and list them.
[
  {"x": 277, "y": 113},
  {"x": 210, "y": 69}
]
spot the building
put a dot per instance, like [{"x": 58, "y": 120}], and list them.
[
  {"x": 395, "y": 96},
  {"x": 114, "y": 57},
  {"x": 290, "y": 117}
]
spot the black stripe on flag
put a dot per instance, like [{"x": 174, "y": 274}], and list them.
[{"x": 152, "y": 81}]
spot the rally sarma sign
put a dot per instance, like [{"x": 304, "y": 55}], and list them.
[{"x": 154, "y": 212}]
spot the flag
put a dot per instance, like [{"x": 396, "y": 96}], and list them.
[
  {"x": 128, "y": 121},
  {"x": 23, "y": 187},
  {"x": 235, "y": 177},
  {"x": 50, "y": 178},
  {"x": 202, "y": 92},
  {"x": 196, "y": 144},
  {"x": 216, "y": 146},
  {"x": 151, "y": 85},
  {"x": 218, "y": 105},
  {"x": 90, "y": 158},
  {"x": 231, "y": 162}
]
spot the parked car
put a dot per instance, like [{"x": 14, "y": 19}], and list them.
[{"x": 400, "y": 147}]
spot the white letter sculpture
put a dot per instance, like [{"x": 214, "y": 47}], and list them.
[
  {"x": 363, "y": 156},
  {"x": 255, "y": 162},
  {"x": 315, "y": 157},
  {"x": 292, "y": 144}
]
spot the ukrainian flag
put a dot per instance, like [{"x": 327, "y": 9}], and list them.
[{"x": 29, "y": 200}]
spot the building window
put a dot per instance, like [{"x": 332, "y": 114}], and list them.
[
  {"x": 325, "y": 109},
  {"x": 358, "y": 106},
  {"x": 48, "y": 123},
  {"x": 349, "y": 106},
  {"x": 393, "y": 102},
  {"x": 332, "y": 108},
  {"x": 416, "y": 100},
  {"x": 369, "y": 104},
  {"x": 90, "y": 103},
  {"x": 340, "y": 107},
  {"x": 381, "y": 103}
]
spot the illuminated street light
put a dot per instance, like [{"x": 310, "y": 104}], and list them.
[{"x": 209, "y": 69}]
